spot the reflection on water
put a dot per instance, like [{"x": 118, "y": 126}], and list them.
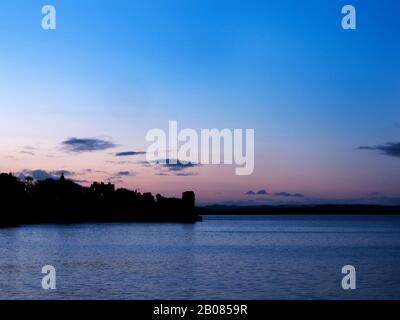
[{"x": 224, "y": 257}]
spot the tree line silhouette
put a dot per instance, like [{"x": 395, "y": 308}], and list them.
[{"x": 25, "y": 201}]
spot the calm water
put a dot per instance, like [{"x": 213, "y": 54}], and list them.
[{"x": 220, "y": 258}]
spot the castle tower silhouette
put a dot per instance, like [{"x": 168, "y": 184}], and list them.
[{"x": 188, "y": 199}]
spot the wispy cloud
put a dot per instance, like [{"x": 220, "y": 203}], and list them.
[
  {"x": 30, "y": 153},
  {"x": 186, "y": 174},
  {"x": 79, "y": 181},
  {"x": 28, "y": 150},
  {"x": 175, "y": 167},
  {"x": 118, "y": 176},
  {"x": 119, "y": 162},
  {"x": 390, "y": 148},
  {"x": 87, "y": 144}
]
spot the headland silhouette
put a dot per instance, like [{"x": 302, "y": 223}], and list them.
[{"x": 63, "y": 201}]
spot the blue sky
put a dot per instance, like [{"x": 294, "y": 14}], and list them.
[{"x": 313, "y": 92}]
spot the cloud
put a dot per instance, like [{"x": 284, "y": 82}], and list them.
[
  {"x": 120, "y": 162},
  {"x": 29, "y": 150},
  {"x": 115, "y": 180},
  {"x": 81, "y": 181},
  {"x": 366, "y": 148},
  {"x": 287, "y": 194},
  {"x": 282, "y": 194},
  {"x": 175, "y": 167},
  {"x": 58, "y": 173},
  {"x": 85, "y": 171},
  {"x": 31, "y": 153},
  {"x": 260, "y": 192},
  {"x": 186, "y": 174},
  {"x": 87, "y": 144},
  {"x": 117, "y": 177},
  {"x": 123, "y": 173},
  {"x": 298, "y": 195},
  {"x": 40, "y": 174},
  {"x": 390, "y": 148},
  {"x": 129, "y": 153},
  {"x": 35, "y": 174}
]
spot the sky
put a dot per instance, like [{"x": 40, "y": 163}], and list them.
[{"x": 323, "y": 101}]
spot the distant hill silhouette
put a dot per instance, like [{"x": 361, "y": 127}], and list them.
[
  {"x": 64, "y": 201},
  {"x": 321, "y": 209}
]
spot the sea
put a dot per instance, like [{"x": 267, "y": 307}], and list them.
[{"x": 223, "y": 257}]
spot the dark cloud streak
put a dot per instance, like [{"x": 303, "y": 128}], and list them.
[
  {"x": 287, "y": 194},
  {"x": 175, "y": 167},
  {"x": 86, "y": 144},
  {"x": 390, "y": 148},
  {"x": 129, "y": 153}
]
